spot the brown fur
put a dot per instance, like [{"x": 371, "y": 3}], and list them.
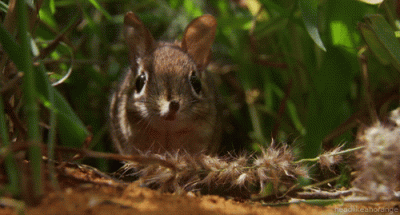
[{"x": 167, "y": 115}]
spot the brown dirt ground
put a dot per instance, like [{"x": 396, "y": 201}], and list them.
[
  {"x": 94, "y": 199},
  {"x": 83, "y": 193}
]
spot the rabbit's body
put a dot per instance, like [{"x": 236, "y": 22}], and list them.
[{"x": 166, "y": 100}]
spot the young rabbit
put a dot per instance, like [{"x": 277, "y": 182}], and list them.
[{"x": 166, "y": 102}]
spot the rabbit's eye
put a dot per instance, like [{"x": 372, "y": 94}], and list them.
[
  {"x": 140, "y": 82},
  {"x": 195, "y": 82}
]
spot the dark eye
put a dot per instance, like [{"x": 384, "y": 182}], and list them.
[
  {"x": 140, "y": 82},
  {"x": 195, "y": 82}
]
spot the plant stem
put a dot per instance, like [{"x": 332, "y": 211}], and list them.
[
  {"x": 331, "y": 154},
  {"x": 52, "y": 132},
  {"x": 10, "y": 165},
  {"x": 31, "y": 107}
]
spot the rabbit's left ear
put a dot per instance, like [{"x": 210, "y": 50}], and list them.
[{"x": 138, "y": 38}]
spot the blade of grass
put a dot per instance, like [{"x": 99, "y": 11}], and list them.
[
  {"x": 316, "y": 202},
  {"x": 10, "y": 165},
  {"x": 10, "y": 46},
  {"x": 52, "y": 131},
  {"x": 52, "y": 6},
  {"x": 71, "y": 129},
  {"x": 309, "y": 13},
  {"x": 3, "y": 7},
  {"x": 101, "y": 9},
  {"x": 31, "y": 107}
]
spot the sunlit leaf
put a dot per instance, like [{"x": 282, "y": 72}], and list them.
[
  {"x": 3, "y": 7},
  {"x": 343, "y": 16},
  {"x": 309, "y": 12},
  {"x": 52, "y": 6},
  {"x": 255, "y": 8},
  {"x": 371, "y": 1},
  {"x": 192, "y": 8},
  {"x": 47, "y": 17},
  {"x": 340, "y": 34}
]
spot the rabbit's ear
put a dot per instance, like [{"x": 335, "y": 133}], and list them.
[
  {"x": 198, "y": 39},
  {"x": 138, "y": 38}
]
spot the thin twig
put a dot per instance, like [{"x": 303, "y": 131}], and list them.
[
  {"x": 12, "y": 83},
  {"x": 332, "y": 154},
  {"x": 367, "y": 90},
  {"x": 15, "y": 119}
]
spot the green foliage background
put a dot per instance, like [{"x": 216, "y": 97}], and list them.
[{"x": 289, "y": 70}]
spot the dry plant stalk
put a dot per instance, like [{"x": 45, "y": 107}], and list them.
[{"x": 275, "y": 165}]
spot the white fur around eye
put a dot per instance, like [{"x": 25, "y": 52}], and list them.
[{"x": 141, "y": 107}]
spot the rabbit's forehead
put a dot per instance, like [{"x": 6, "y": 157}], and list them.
[{"x": 171, "y": 59}]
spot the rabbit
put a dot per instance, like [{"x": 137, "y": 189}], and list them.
[{"x": 167, "y": 102}]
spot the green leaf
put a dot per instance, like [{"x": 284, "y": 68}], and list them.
[
  {"x": 192, "y": 8},
  {"x": 11, "y": 47},
  {"x": 341, "y": 34},
  {"x": 381, "y": 39},
  {"x": 47, "y": 17},
  {"x": 71, "y": 128},
  {"x": 342, "y": 17},
  {"x": 265, "y": 29},
  {"x": 30, "y": 103},
  {"x": 3, "y": 7},
  {"x": 273, "y": 6},
  {"x": 327, "y": 103},
  {"x": 317, "y": 202},
  {"x": 52, "y": 6},
  {"x": 309, "y": 11},
  {"x": 9, "y": 160},
  {"x": 374, "y": 44}
]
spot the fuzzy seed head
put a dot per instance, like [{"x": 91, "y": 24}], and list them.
[
  {"x": 275, "y": 165},
  {"x": 379, "y": 162}
]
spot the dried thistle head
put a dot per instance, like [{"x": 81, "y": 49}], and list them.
[
  {"x": 239, "y": 174},
  {"x": 378, "y": 163},
  {"x": 330, "y": 158},
  {"x": 276, "y": 165}
]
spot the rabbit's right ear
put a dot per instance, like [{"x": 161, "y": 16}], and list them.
[
  {"x": 138, "y": 38},
  {"x": 198, "y": 39}
]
